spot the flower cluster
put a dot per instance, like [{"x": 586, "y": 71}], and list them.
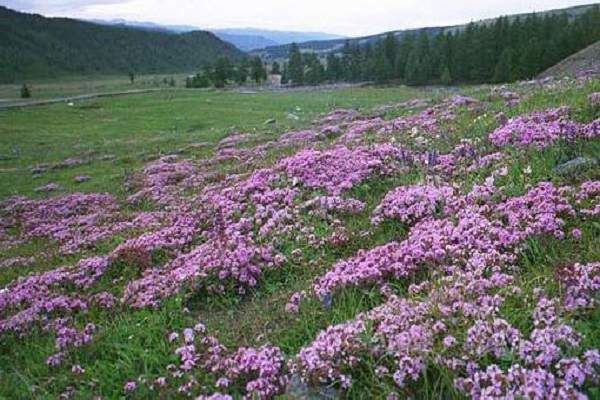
[
  {"x": 471, "y": 255},
  {"x": 411, "y": 204},
  {"x": 541, "y": 129},
  {"x": 259, "y": 371},
  {"x": 341, "y": 168},
  {"x": 224, "y": 223}
]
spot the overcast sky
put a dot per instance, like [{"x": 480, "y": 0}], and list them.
[{"x": 346, "y": 17}]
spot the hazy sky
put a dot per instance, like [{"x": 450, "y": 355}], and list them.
[{"x": 346, "y": 17}]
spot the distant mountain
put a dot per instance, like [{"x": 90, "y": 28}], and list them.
[
  {"x": 246, "y": 42},
  {"x": 243, "y": 38},
  {"x": 327, "y": 46},
  {"x": 33, "y": 46},
  {"x": 278, "y": 37},
  {"x": 151, "y": 26}
]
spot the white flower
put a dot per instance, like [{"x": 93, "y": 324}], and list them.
[{"x": 527, "y": 170}]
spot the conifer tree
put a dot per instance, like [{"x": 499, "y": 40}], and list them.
[{"x": 446, "y": 78}]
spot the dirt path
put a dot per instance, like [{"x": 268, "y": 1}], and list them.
[
  {"x": 80, "y": 97},
  {"x": 290, "y": 89}
]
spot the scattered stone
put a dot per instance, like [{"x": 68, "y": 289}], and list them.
[
  {"x": 48, "y": 188},
  {"x": 68, "y": 163},
  {"x": 293, "y": 117},
  {"x": 81, "y": 179},
  {"x": 270, "y": 121},
  {"x": 301, "y": 390},
  {"x": 327, "y": 301},
  {"x": 462, "y": 101},
  {"x": 575, "y": 167}
]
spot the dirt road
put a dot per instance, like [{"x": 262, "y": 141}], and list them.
[{"x": 15, "y": 104}]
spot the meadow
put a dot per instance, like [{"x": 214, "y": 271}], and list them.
[{"x": 367, "y": 243}]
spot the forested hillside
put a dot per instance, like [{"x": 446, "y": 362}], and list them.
[
  {"x": 501, "y": 50},
  {"x": 36, "y": 47}
]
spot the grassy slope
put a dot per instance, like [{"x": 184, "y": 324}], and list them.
[
  {"x": 72, "y": 86},
  {"x": 130, "y": 344},
  {"x": 136, "y": 126}
]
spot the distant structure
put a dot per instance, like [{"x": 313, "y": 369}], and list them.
[{"x": 275, "y": 80}]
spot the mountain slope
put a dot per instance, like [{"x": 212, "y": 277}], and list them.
[
  {"x": 246, "y": 42},
  {"x": 586, "y": 59},
  {"x": 326, "y": 46},
  {"x": 279, "y": 37},
  {"x": 151, "y": 26},
  {"x": 35, "y": 47},
  {"x": 243, "y": 38}
]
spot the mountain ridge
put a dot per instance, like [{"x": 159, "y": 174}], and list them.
[
  {"x": 34, "y": 46},
  {"x": 245, "y": 39}
]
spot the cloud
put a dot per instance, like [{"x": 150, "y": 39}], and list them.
[
  {"x": 349, "y": 17},
  {"x": 56, "y": 6}
]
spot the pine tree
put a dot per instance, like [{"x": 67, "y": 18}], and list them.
[
  {"x": 222, "y": 72},
  {"x": 446, "y": 78},
  {"x": 258, "y": 70},
  {"x": 276, "y": 68},
  {"x": 414, "y": 71},
  {"x": 382, "y": 68},
  {"x": 530, "y": 60},
  {"x": 25, "y": 92},
  {"x": 295, "y": 66},
  {"x": 285, "y": 75},
  {"x": 334, "y": 71},
  {"x": 503, "y": 72},
  {"x": 241, "y": 73},
  {"x": 390, "y": 47}
]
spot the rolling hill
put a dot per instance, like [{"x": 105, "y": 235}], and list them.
[{"x": 33, "y": 46}]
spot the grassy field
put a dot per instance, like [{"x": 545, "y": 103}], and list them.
[
  {"x": 132, "y": 128},
  {"x": 73, "y": 86},
  {"x": 131, "y": 344}
]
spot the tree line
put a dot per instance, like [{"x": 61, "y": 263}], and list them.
[
  {"x": 224, "y": 72},
  {"x": 504, "y": 50}
]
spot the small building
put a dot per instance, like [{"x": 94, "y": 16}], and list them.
[{"x": 275, "y": 80}]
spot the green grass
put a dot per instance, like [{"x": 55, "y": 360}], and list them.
[
  {"x": 136, "y": 126},
  {"x": 131, "y": 343},
  {"x": 72, "y": 86}
]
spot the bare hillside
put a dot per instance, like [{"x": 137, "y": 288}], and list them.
[{"x": 586, "y": 59}]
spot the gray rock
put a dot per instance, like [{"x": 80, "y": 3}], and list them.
[
  {"x": 51, "y": 187},
  {"x": 576, "y": 167},
  {"x": 293, "y": 117},
  {"x": 81, "y": 178},
  {"x": 301, "y": 390}
]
